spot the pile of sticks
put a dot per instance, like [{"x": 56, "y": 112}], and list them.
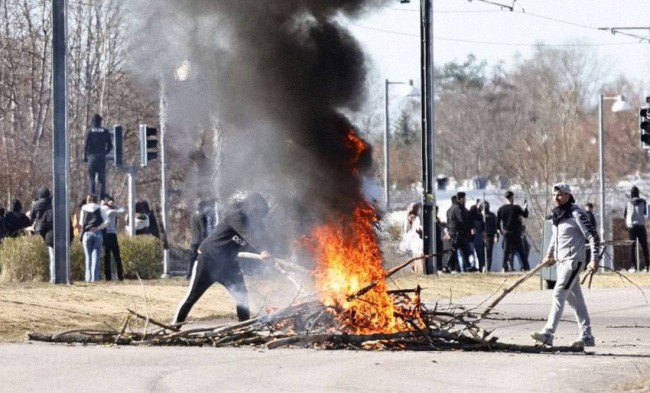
[{"x": 312, "y": 324}]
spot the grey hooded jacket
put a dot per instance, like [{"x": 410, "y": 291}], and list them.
[{"x": 570, "y": 235}]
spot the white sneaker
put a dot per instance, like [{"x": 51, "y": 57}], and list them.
[
  {"x": 585, "y": 341},
  {"x": 543, "y": 338},
  {"x": 631, "y": 270}
]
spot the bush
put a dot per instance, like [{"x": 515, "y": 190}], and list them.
[
  {"x": 141, "y": 256},
  {"x": 25, "y": 258}
]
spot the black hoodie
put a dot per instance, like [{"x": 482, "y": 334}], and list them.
[{"x": 16, "y": 220}]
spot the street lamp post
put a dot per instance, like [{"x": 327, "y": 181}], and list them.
[
  {"x": 428, "y": 137},
  {"x": 620, "y": 105},
  {"x": 412, "y": 93}
]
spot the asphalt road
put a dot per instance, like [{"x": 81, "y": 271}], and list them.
[{"x": 620, "y": 317}]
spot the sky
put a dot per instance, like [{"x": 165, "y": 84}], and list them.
[{"x": 461, "y": 27}]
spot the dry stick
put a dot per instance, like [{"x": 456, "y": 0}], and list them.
[
  {"x": 389, "y": 273},
  {"x": 623, "y": 276},
  {"x": 160, "y": 324},
  {"x": 146, "y": 305},
  {"x": 121, "y": 333},
  {"x": 284, "y": 263},
  {"x": 506, "y": 291}
]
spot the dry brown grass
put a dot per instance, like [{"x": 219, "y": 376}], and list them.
[{"x": 53, "y": 308}]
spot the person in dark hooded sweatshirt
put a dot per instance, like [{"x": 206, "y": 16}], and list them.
[
  {"x": 16, "y": 221},
  {"x": 43, "y": 223},
  {"x": 635, "y": 214},
  {"x": 241, "y": 229},
  {"x": 98, "y": 144}
]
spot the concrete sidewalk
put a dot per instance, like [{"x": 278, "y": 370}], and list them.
[{"x": 621, "y": 320}]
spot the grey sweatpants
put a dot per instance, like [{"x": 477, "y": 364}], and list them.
[{"x": 567, "y": 289}]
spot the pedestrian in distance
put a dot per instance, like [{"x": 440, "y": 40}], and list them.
[
  {"x": 589, "y": 211},
  {"x": 16, "y": 221},
  {"x": 460, "y": 231},
  {"x": 43, "y": 223},
  {"x": 509, "y": 224},
  {"x": 240, "y": 230},
  {"x": 411, "y": 242},
  {"x": 635, "y": 214},
  {"x": 93, "y": 219},
  {"x": 571, "y": 228},
  {"x": 98, "y": 144},
  {"x": 111, "y": 244},
  {"x": 491, "y": 233}
]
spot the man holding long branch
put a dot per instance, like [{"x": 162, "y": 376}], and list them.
[{"x": 571, "y": 227}]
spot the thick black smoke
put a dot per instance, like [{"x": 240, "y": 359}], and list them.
[{"x": 277, "y": 74}]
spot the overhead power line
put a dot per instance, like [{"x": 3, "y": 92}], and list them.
[{"x": 438, "y": 38}]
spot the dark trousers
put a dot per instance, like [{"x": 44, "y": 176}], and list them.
[
  {"x": 459, "y": 245},
  {"x": 112, "y": 247},
  {"x": 490, "y": 249},
  {"x": 194, "y": 254},
  {"x": 211, "y": 268},
  {"x": 638, "y": 232},
  {"x": 512, "y": 244},
  {"x": 97, "y": 165}
]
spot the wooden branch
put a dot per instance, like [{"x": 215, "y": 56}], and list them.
[
  {"x": 282, "y": 262},
  {"x": 159, "y": 324},
  {"x": 511, "y": 288}
]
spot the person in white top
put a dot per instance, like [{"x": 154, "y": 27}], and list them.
[{"x": 92, "y": 219}]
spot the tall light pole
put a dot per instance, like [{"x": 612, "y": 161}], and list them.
[
  {"x": 412, "y": 93},
  {"x": 428, "y": 136},
  {"x": 620, "y": 105},
  {"x": 60, "y": 151}
]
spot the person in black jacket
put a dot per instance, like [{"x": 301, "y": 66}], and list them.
[
  {"x": 491, "y": 233},
  {"x": 98, "y": 144},
  {"x": 460, "y": 229},
  {"x": 239, "y": 230},
  {"x": 509, "y": 223},
  {"x": 16, "y": 221},
  {"x": 43, "y": 223}
]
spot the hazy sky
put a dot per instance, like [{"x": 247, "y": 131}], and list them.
[{"x": 461, "y": 27}]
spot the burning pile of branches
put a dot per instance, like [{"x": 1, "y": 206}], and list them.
[
  {"x": 313, "y": 324},
  {"x": 354, "y": 308}
]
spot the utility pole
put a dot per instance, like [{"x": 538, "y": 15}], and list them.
[
  {"x": 428, "y": 136},
  {"x": 60, "y": 152}
]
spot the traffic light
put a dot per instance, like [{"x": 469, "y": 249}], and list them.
[
  {"x": 644, "y": 127},
  {"x": 148, "y": 144},
  {"x": 118, "y": 132}
]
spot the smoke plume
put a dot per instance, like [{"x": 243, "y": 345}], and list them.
[{"x": 277, "y": 74}]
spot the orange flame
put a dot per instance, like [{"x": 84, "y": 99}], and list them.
[{"x": 349, "y": 259}]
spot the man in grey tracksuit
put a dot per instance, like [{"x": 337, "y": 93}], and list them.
[{"x": 571, "y": 227}]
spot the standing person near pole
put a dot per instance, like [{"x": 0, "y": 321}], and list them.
[
  {"x": 509, "y": 224},
  {"x": 491, "y": 233},
  {"x": 570, "y": 229},
  {"x": 43, "y": 223},
  {"x": 98, "y": 144},
  {"x": 636, "y": 211},
  {"x": 93, "y": 220},
  {"x": 111, "y": 246},
  {"x": 240, "y": 230},
  {"x": 460, "y": 230}
]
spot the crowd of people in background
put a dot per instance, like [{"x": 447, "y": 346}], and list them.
[
  {"x": 94, "y": 223},
  {"x": 470, "y": 234}
]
